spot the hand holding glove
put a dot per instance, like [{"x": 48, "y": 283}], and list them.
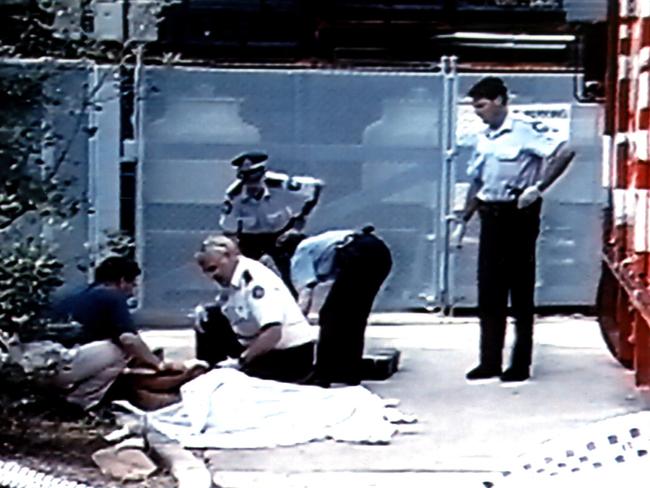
[
  {"x": 529, "y": 196},
  {"x": 200, "y": 315},
  {"x": 457, "y": 234}
]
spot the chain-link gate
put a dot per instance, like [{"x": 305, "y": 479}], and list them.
[
  {"x": 375, "y": 137},
  {"x": 385, "y": 142}
]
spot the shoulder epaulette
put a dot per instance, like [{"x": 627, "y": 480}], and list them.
[
  {"x": 308, "y": 181},
  {"x": 275, "y": 180},
  {"x": 247, "y": 277},
  {"x": 234, "y": 189},
  {"x": 293, "y": 184}
]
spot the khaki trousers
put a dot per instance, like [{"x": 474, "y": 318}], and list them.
[{"x": 91, "y": 372}]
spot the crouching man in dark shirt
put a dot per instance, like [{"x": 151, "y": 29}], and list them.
[{"x": 109, "y": 341}]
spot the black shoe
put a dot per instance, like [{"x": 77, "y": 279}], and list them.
[
  {"x": 347, "y": 381},
  {"x": 515, "y": 374},
  {"x": 482, "y": 372},
  {"x": 314, "y": 380},
  {"x": 345, "y": 378}
]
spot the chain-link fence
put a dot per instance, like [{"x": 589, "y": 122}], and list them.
[
  {"x": 374, "y": 137},
  {"x": 15, "y": 475},
  {"x": 377, "y": 139}
]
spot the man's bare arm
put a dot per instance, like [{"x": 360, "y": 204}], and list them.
[
  {"x": 556, "y": 164},
  {"x": 263, "y": 343},
  {"x": 305, "y": 298},
  {"x": 471, "y": 202},
  {"x": 135, "y": 347}
]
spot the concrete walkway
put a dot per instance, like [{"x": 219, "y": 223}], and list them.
[{"x": 466, "y": 433}]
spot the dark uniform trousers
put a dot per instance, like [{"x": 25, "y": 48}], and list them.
[
  {"x": 218, "y": 342},
  {"x": 362, "y": 266},
  {"x": 506, "y": 268}
]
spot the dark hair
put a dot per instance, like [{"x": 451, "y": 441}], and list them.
[
  {"x": 289, "y": 241},
  {"x": 115, "y": 268},
  {"x": 490, "y": 87}
]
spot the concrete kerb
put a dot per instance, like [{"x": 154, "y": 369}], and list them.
[
  {"x": 153, "y": 323},
  {"x": 185, "y": 467}
]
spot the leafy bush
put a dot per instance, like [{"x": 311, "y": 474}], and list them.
[{"x": 29, "y": 272}]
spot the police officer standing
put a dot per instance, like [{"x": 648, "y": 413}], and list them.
[
  {"x": 255, "y": 318},
  {"x": 356, "y": 263},
  {"x": 260, "y": 205},
  {"x": 515, "y": 160}
]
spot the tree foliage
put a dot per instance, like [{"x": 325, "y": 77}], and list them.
[
  {"x": 42, "y": 121},
  {"x": 29, "y": 272}
]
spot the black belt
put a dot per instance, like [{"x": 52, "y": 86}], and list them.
[
  {"x": 359, "y": 234},
  {"x": 507, "y": 208},
  {"x": 511, "y": 203}
]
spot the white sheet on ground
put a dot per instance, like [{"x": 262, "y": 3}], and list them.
[{"x": 224, "y": 408}]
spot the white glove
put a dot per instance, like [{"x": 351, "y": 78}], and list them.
[
  {"x": 456, "y": 237},
  {"x": 528, "y": 196},
  {"x": 200, "y": 315}
]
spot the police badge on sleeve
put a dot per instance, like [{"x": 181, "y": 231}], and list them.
[{"x": 257, "y": 292}]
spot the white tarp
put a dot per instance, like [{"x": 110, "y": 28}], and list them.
[{"x": 224, "y": 408}]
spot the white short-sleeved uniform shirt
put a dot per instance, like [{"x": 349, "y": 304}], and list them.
[
  {"x": 283, "y": 198},
  {"x": 511, "y": 157},
  {"x": 257, "y": 297}
]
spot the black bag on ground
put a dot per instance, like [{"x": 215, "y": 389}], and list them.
[{"x": 380, "y": 364}]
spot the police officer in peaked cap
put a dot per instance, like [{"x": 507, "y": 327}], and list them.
[
  {"x": 260, "y": 205},
  {"x": 250, "y": 165}
]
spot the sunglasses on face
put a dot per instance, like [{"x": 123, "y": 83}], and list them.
[{"x": 209, "y": 269}]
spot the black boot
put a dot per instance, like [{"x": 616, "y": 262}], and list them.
[
  {"x": 483, "y": 372},
  {"x": 516, "y": 373}
]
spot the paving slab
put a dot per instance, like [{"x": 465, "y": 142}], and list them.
[
  {"x": 466, "y": 431},
  {"x": 344, "y": 479}
]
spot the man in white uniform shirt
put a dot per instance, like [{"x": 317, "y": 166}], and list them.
[
  {"x": 515, "y": 160},
  {"x": 260, "y": 205},
  {"x": 255, "y": 318}
]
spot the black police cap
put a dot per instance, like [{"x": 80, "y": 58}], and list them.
[{"x": 249, "y": 162}]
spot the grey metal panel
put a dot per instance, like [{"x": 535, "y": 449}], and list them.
[
  {"x": 192, "y": 123},
  {"x": 586, "y": 10},
  {"x": 104, "y": 155},
  {"x": 568, "y": 257},
  {"x": 88, "y": 103},
  {"x": 373, "y": 137},
  {"x": 569, "y": 245}
]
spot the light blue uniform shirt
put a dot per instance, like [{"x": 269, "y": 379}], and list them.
[
  {"x": 313, "y": 261},
  {"x": 510, "y": 157}
]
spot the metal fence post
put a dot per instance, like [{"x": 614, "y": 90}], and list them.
[{"x": 448, "y": 148}]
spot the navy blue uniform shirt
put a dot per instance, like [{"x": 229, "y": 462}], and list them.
[{"x": 102, "y": 312}]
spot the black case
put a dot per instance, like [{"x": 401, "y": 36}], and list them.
[{"x": 380, "y": 364}]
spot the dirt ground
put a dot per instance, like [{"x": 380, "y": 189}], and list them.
[{"x": 50, "y": 439}]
